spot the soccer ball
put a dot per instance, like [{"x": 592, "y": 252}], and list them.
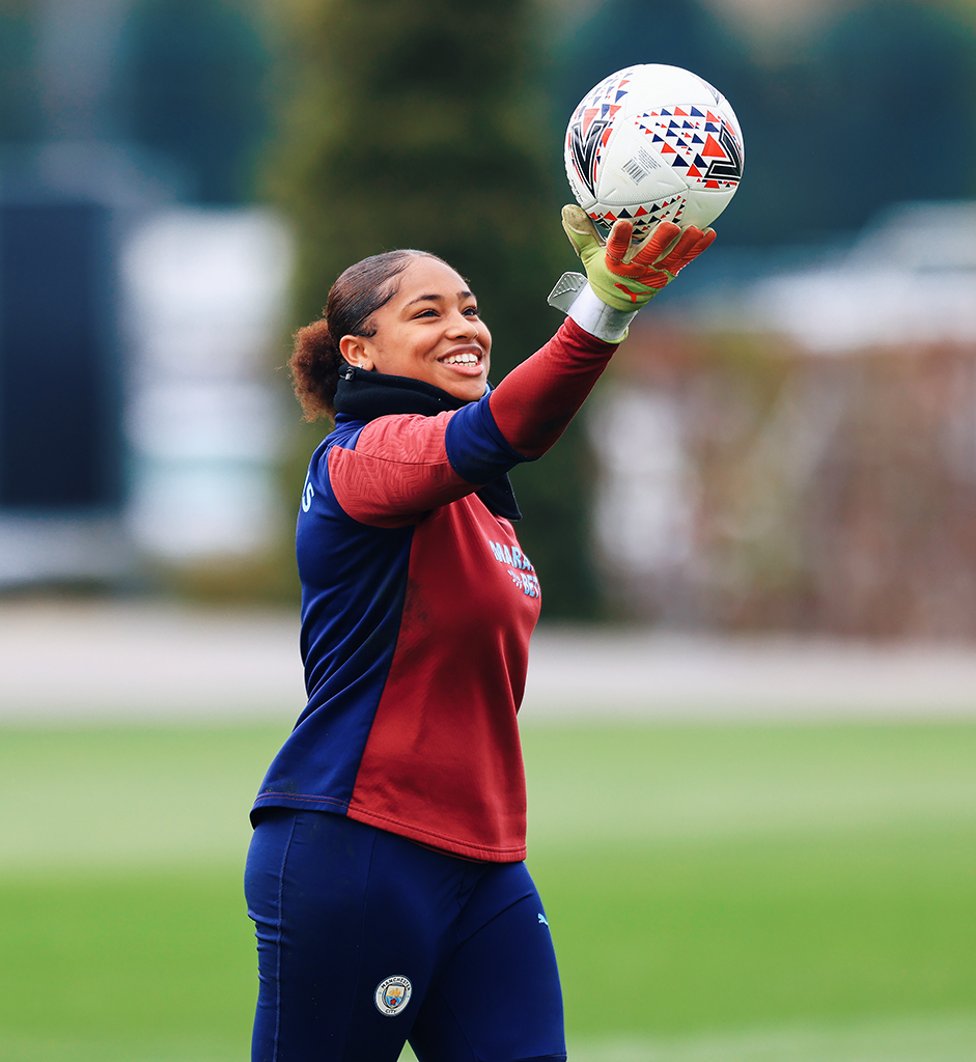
[{"x": 653, "y": 143}]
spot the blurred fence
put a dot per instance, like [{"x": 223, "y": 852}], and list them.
[{"x": 747, "y": 484}]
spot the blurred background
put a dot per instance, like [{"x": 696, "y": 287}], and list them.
[
  {"x": 788, "y": 441},
  {"x": 757, "y": 544}
]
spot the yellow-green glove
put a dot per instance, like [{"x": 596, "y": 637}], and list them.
[{"x": 626, "y": 279}]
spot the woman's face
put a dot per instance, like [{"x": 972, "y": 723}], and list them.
[{"x": 430, "y": 330}]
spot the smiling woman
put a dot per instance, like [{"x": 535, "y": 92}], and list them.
[
  {"x": 429, "y": 330},
  {"x": 386, "y": 876}
]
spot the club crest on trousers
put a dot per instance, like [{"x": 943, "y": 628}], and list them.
[{"x": 392, "y": 996}]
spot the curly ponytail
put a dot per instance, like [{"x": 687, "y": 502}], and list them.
[
  {"x": 314, "y": 365},
  {"x": 355, "y": 296}
]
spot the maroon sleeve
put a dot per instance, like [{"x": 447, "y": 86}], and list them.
[
  {"x": 398, "y": 471},
  {"x": 536, "y": 401}
]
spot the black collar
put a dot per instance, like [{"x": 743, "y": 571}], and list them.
[{"x": 368, "y": 395}]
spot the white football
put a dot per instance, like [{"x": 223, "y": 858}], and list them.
[{"x": 653, "y": 143}]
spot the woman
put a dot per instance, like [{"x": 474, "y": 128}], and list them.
[{"x": 385, "y": 875}]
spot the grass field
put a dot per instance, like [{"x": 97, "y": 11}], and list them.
[{"x": 717, "y": 892}]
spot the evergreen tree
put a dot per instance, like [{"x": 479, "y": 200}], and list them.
[
  {"x": 422, "y": 125},
  {"x": 193, "y": 90},
  {"x": 894, "y": 87},
  {"x": 20, "y": 118}
]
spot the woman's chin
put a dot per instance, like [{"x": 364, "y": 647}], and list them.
[{"x": 466, "y": 389}]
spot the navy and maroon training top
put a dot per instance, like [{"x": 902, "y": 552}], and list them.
[{"x": 417, "y": 609}]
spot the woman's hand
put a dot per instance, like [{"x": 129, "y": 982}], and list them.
[{"x": 627, "y": 280}]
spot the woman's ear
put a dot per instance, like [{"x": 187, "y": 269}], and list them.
[{"x": 353, "y": 350}]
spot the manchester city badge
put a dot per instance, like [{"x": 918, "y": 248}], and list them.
[{"x": 392, "y": 996}]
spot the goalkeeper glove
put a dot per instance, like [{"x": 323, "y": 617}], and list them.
[{"x": 624, "y": 280}]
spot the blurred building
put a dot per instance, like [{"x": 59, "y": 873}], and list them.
[
  {"x": 131, "y": 327},
  {"x": 138, "y": 422},
  {"x": 61, "y": 455},
  {"x": 203, "y": 292},
  {"x": 909, "y": 277}
]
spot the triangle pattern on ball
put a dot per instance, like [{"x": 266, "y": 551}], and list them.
[
  {"x": 692, "y": 140},
  {"x": 713, "y": 149}
]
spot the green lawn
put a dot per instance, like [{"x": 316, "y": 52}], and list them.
[{"x": 742, "y": 893}]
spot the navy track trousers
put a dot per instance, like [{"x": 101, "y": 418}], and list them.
[{"x": 367, "y": 941}]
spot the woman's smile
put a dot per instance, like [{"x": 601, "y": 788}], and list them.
[{"x": 429, "y": 330}]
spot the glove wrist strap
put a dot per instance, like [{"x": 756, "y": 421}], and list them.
[{"x": 574, "y": 296}]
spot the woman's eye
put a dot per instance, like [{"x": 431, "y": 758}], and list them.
[
  {"x": 471, "y": 311},
  {"x": 427, "y": 313}
]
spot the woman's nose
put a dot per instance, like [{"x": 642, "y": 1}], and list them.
[{"x": 463, "y": 325}]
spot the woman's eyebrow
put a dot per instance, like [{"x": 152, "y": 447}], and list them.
[{"x": 439, "y": 298}]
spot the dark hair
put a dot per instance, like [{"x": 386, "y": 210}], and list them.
[{"x": 357, "y": 294}]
